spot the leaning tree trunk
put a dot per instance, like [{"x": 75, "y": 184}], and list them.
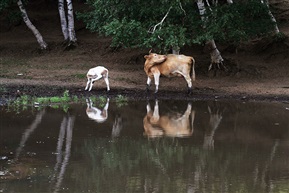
[
  {"x": 42, "y": 43},
  {"x": 216, "y": 57}
]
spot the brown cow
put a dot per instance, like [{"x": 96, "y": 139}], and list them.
[
  {"x": 169, "y": 65},
  {"x": 170, "y": 124}
]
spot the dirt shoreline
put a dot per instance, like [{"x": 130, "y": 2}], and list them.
[{"x": 9, "y": 92}]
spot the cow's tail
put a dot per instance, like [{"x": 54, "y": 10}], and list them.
[{"x": 192, "y": 72}]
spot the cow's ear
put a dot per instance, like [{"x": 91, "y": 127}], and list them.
[{"x": 146, "y": 56}]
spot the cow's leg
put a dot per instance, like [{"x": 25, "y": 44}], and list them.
[
  {"x": 148, "y": 108},
  {"x": 149, "y": 80},
  {"x": 188, "y": 111},
  {"x": 157, "y": 80},
  {"x": 189, "y": 82},
  {"x": 87, "y": 84},
  {"x": 156, "y": 116}
]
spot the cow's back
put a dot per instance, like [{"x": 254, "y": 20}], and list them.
[
  {"x": 179, "y": 58},
  {"x": 175, "y": 63}
]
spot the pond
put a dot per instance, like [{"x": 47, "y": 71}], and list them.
[{"x": 146, "y": 146}]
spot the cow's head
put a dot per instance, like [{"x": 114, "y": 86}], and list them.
[{"x": 154, "y": 58}]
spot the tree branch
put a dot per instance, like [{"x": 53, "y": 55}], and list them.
[{"x": 153, "y": 29}]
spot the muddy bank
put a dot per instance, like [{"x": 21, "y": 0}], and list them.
[{"x": 12, "y": 92}]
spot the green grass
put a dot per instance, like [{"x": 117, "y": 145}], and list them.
[
  {"x": 121, "y": 100},
  {"x": 79, "y": 76},
  {"x": 58, "y": 102}
]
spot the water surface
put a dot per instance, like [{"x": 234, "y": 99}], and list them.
[{"x": 160, "y": 146}]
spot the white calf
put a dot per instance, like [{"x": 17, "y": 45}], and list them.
[
  {"x": 95, "y": 113},
  {"x": 97, "y": 73}
]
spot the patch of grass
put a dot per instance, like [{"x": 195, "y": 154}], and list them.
[
  {"x": 54, "y": 102},
  {"x": 121, "y": 100},
  {"x": 75, "y": 99},
  {"x": 58, "y": 102},
  {"x": 42, "y": 100},
  {"x": 100, "y": 101},
  {"x": 79, "y": 76},
  {"x": 20, "y": 104}
]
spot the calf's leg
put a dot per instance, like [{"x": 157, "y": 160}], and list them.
[
  {"x": 107, "y": 83},
  {"x": 87, "y": 84},
  {"x": 92, "y": 81}
]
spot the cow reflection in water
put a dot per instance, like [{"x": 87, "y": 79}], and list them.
[
  {"x": 171, "y": 124},
  {"x": 96, "y": 114}
]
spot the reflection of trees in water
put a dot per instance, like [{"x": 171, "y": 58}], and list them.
[
  {"x": 28, "y": 132},
  {"x": 63, "y": 151},
  {"x": 122, "y": 165},
  {"x": 162, "y": 164},
  {"x": 261, "y": 174},
  {"x": 173, "y": 164},
  {"x": 21, "y": 168},
  {"x": 215, "y": 113},
  {"x": 17, "y": 169}
]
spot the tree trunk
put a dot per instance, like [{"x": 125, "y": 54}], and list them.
[
  {"x": 216, "y": 57},
  {"x": 176, "y": 50},
  {"x": 63, "y": 20},
  {"x": 42, "y": 43},
  {"x": 71, "y": 31}
]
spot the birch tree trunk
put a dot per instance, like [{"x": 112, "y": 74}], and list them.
[
  {"x": 67, "y": 22},
  {"x": 276, "y": 29},
  {"x": 71, "y": 30},
  {"x": 42, "y": 43},
  {"x": 63, "y": 20},
  {"x": 216, "y": 57}
]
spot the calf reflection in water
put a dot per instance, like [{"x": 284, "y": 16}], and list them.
[
  {"x": 171, "y": 124},
  {"x": 96, "y": 114}
]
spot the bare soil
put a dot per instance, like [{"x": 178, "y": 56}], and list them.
[{"x": 258, "y": 71}]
